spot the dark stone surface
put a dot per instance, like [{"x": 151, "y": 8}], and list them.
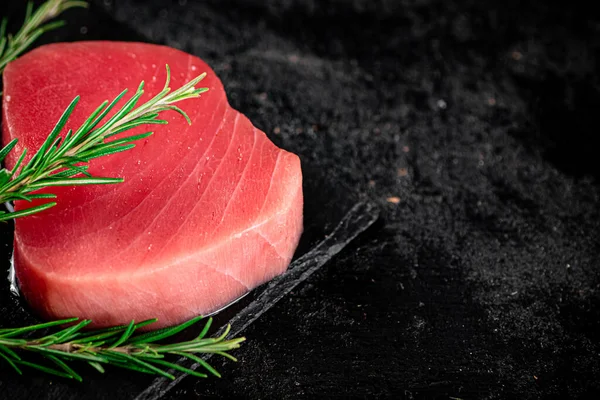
[{"x": 483, "y": 280}]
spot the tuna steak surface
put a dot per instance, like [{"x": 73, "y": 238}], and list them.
[{"x": 206, "y": 212}]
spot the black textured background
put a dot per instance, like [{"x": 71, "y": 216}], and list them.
[{"x": 472, "y": 124}]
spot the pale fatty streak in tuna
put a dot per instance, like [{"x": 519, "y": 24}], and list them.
[{"x": 211, "y": 211}]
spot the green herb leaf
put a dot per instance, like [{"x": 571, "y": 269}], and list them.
[{"x": 115, "y": 346}]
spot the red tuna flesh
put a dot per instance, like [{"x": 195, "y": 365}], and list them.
[{"x": 206, "y": 212}]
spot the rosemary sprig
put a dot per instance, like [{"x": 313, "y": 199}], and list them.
[
  {"x": 119, "y": 346},
  {"x": 35, "y": 24},
  {"x": 61, "y": 161}
]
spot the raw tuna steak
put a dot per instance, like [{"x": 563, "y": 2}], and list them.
[{"x": 206, "y": 212}]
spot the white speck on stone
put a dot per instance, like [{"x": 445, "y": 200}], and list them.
[
  {"x": 441, "y": 103},
  {"x": 149, "y": 247},
  {"x": 194, "y": 68},
  {"x": 153, "y": 65},
  {"x": 153, "y": 79},
  {"x": 7, "y": 98}
]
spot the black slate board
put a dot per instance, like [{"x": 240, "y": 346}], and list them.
[{"x": 483, "y": 280}]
